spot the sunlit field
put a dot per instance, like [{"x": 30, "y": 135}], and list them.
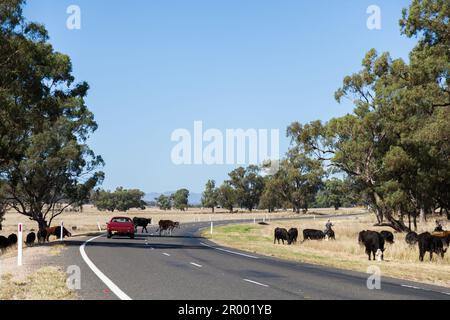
[
  {"x": 86, "y": 221},
  {"x": 401, "y": 260}
]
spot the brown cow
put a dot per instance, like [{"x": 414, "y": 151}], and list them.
[
  {"x": 56, "y": 231},
  {"x": 167, "y": 225},
  {"x": 444, "y": 236}
]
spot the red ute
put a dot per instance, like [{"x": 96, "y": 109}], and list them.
[{"x": 122, "y": 226}]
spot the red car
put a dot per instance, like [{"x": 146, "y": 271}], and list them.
[{"x": 122, "y": 226}]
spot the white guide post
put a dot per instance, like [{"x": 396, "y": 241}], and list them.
[
  {"x": 61, "y": 234},
  {"x": 19, "y": 244}
]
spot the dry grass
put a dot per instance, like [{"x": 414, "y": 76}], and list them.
[
  {"x": 86, "y": 221},
  {"x": 401, "y": 260},
  {"x": 48, "y": 283}
]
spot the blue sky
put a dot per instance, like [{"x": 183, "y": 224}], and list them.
[{"x": 157, "y": 66}]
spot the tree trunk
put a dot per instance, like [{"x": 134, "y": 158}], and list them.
[
  {"x": 397, "y": 225},
  {"x": 42, "y": 224},
  {"x": 423, "y": 215}
]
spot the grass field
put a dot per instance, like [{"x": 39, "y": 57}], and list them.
[
  {"x": 401, "y": 260},
  {"x": 88, "y": 219},
  {"x": 47, "y": 283}
]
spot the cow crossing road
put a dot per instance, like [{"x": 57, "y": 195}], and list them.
[{"x": 186, "y": 267}]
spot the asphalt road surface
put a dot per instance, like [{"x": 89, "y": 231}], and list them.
[{"x": 187, "y": 267}]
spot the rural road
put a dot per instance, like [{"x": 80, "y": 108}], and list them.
[{"x": 187, "y": 267}]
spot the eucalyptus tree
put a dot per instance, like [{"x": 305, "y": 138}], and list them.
[{"x": 45, "y": 162}]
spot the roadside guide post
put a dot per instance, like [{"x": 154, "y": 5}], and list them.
[
  {"x": 19, "y": 244},
  {"x": 61, "y": 232}
]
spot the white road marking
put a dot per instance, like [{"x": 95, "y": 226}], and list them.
[
  {"x": 411, "y": 287},
  {"x": 115, "y": 289},
  {"x": 166, "y": 254},
  {"x": 257, "y": 283},
  {"x": 423, "y": 289},
  {"x": 229, "y": 251},
  {"x": 196, "y": 265}
]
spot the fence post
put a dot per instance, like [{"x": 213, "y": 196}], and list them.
[{"x": 19, "y": 244}]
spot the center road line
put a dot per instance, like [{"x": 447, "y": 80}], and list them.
[
  {"x": 229, "y": 251},
  {"x": 196, "y": 265},
  {"x": 166, "y": 254},
  {"x": 257, "y": 283},
  {"x": 111, "y": 285}
]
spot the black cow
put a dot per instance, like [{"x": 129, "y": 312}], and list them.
[
  {"x": 412, "y": 238},
  {"x": 142, "y": 222},
  {"x": 374, "y": 243},
  {"x": 387, "y": 236},
  {"x": 31, "y": 238},
  {"x": 310, "y": 234},
  {"x": 330, "y": 234},
  {"x": 12, "y": 239},
  {"x": 446, "y": 241},
  {"x": 280, "y": 234},
  {"x": 431, "y": 244},
  {"x": 4, "y": 243},
  {"x": 292, "y": 236}
]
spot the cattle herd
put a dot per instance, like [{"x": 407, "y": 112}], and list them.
[
  {"x": 373, "y": 241},
  {"x": 437, "y": 242},
  {"x": 42, "y": 236},
  {"x": 291, "y": 236}
]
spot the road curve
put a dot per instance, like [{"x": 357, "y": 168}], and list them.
[{"x": 187, "y": 267}]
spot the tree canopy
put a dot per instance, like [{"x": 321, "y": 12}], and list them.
[
  {"x": 210, "y": 195},
  {"x": 45, "y": 162},
  {"x": 181, "y": 199},
  {"x": 164, "y": 202},
  {"x": 395, "y": 144},
  {"x": 119, "y": 200}
]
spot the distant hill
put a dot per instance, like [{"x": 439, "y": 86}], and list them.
[{"x": 194, "y": 198}]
